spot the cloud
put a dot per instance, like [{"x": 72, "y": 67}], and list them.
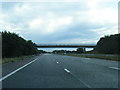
[
  {"x": 59, "y": 24},
  {"x": 35, "y": 23},
  {"x": 64, "y": 22},
  {"x": 106, "y": 31}
]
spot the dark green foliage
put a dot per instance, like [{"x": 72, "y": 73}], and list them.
[
  {"x": 13, "y": 45},
  {"x": 109, "y": 44},
  {"x": 63, "y": 51},
  {"x": 80, "y": 50},
  {"x": 42, "y": 51},
  {"x": 59, "y": 51}
]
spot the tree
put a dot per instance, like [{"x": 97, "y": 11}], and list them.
[
  {"x": 13, "y": 45},
  {"x": 109, "y": 44},
  {"x": 80, "y": 50}
]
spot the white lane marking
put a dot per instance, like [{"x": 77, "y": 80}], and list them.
[
  {"x": 67, "y": 70},
  {"x": 115, "y": 68},
  {"x": 77, "y": 78},
  {"x": 1, "y": 79},
  {"x": 57, "y": 62}
]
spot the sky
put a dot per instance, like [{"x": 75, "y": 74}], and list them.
[{"x": 61, "y": 22}]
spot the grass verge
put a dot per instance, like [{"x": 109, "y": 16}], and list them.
[
  {"x": 114, "y": 58},
  {"x": 6, "y": 60}
]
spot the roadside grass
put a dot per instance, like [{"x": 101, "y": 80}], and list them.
[
  {"x": 103, "y": 56},
  {"x": 6, "y": 60}
]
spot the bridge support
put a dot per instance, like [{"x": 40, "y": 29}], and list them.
[{"x": 84, "y": 50}]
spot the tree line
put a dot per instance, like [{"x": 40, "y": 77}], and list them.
[
  {"x": 14, "y": 46},
  {"x": 109, "y": 44},
  {"x": 106, "y": 45},
  {"x": 77, "y": 51}
]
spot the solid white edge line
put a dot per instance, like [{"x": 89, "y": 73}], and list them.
[
  {"x": 67, "y": 70},
  {"x": 1, "y": 79},
  {"x": 115, "y": 68}
]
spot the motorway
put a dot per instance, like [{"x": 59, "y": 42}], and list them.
[{"x": 59, "y": 71}]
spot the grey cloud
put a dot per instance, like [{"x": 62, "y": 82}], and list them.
[
  {"x": 75, "y": 30},
  {"x": 71, "y": 33}
]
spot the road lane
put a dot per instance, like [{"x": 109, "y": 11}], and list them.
[
  {"x": 57, "y": 71},
  {"x": 11, "y": 66},
  {"x": 44, "y": 73},
  {"x": 91, "y": 73},
  {"x": 13, "y": 72}
]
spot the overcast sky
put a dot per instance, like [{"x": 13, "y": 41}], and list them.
[{"x": 81, "y": 22}]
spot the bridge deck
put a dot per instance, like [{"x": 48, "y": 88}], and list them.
[{"x": 65, "y": 46}]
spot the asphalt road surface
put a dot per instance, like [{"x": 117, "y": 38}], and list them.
[{"x": 58, "y": 71}]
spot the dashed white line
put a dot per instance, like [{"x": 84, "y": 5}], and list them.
[
  {"x": 77, "y": 78},
  {"x": 115, "y": 68},
  {"x": 1, "y": 79},
  {"x": 67, "y": 70}
]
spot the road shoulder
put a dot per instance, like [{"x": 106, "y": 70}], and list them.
[{"x": 11, "y": 66}]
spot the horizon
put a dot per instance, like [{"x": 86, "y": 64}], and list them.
[{"x": 83, "y": 22}]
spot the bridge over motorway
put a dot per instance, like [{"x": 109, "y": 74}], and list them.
[{"x": 65, "y": 46}]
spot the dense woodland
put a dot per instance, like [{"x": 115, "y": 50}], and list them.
[
  {"x": 14, "y": 46},
  {"x": 109, "y": 44}
]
